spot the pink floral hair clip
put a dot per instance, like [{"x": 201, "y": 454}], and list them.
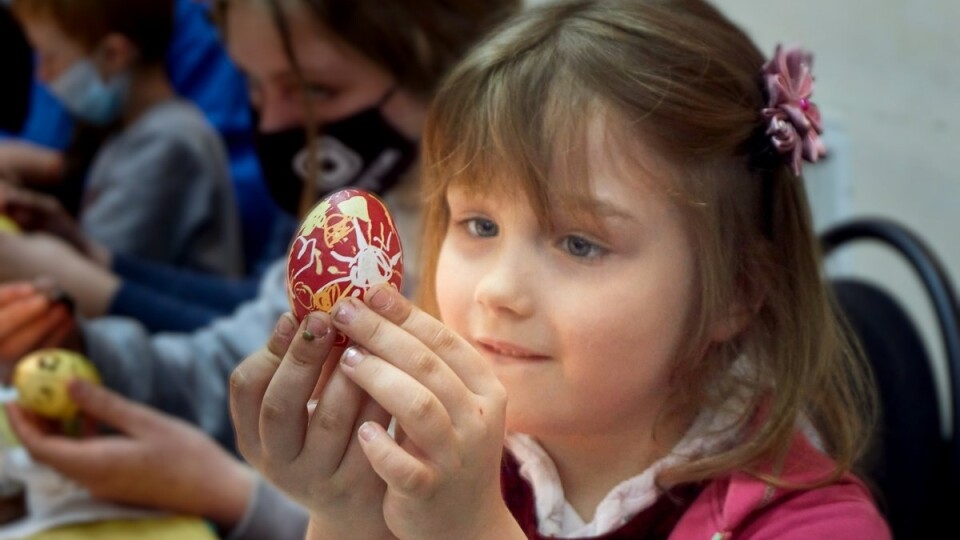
[{"x": 793, "y": 120}]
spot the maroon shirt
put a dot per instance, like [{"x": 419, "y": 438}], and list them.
[{"x": 653, "y": 523}]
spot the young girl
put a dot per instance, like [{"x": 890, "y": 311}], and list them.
[{"x": 618, "y": 241}]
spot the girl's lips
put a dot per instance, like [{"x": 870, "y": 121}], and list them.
[{"x": 509, "y": 350}]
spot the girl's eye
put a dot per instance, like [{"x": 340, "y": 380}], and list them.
[
  {"x": 581, "y": 247},
  {"x": 483, "y": 228}
]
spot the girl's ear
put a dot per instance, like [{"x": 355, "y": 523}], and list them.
[
  {"x": 115, "y": 55},
  {"x": 732, "y": 323},
  {"x": 738, "y": 316}
]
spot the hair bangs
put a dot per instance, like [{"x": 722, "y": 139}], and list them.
[{"x": 524, "y": 133}]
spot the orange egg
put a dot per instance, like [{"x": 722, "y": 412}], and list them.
[{"x": 347, "y": 244}]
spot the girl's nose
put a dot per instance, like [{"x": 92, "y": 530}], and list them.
[{"x": 509, "y": 285}]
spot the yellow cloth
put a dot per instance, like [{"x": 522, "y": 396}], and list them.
[{"x": 168, "y": 528}]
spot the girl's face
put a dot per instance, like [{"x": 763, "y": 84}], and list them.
[
  {"x": 339, "y": 80},
  {"x": 581, "y": 323}
]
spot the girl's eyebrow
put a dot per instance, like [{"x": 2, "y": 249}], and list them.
[{"x": 599, "y": 208}]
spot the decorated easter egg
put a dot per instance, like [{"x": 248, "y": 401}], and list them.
[
  {"x": 347, "y": 244},
  {"x": 41, "y": 379},
  {"x": 8, "y": 225}
]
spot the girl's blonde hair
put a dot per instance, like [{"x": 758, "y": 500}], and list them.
[{"x": 679, "y": 77}]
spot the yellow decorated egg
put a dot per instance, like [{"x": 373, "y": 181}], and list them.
[
  {"x": 8, "y": 225},
  {"x": 41, "y": 380},
  {"x": 347, "y": 244}
]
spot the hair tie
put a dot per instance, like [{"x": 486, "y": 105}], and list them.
[{"x": 793, "y": 121}]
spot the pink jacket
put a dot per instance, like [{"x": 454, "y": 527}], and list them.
[{"x": 742, "y": 507}]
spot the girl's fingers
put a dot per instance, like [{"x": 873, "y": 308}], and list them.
[
  {"x": 249, "y": 382},
  {"x": 401, "y": 471},
  {"x": 371, "y": 411},
  {"x": 284, "y": 416},
  {"x": 444, "y": 342},
  {"x": 334, "y": 420},
  {"x": 424, "y": 418},
  {"x": 445, "y": 365}
]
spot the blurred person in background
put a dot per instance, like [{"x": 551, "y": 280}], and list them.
[
  {"x": 159, "y": 186},
  {"x": 360, "y": 72}
]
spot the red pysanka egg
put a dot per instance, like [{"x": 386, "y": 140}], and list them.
[{"x": 346, "y": 244}]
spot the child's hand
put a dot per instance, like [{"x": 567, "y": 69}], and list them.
[
  {"x": 155, "y": 460},
  {"x": 310, "y": 455},
  {"x": 31, "y": 320},
  {"x": 443, "y": 471}
]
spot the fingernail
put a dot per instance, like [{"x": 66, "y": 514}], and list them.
[
  {"x": 285, "y": 326},
  {"x": 345, "y": 311},
  {"x": 317, "y": 328},
  {"x": 379, "y": 299},
  {"x": 351, "y": 357},
  {"x": 367, "y": 432}
]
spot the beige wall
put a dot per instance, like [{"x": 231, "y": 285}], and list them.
[
  {"x": 888, "y": 72},
  {"x": 888, "y": 83}
]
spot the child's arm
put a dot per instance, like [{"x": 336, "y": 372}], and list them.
[
  {"x": 311, "y": 455},
  {"x": 443, "y": 471},
  {"x": 29, "y": 163}
]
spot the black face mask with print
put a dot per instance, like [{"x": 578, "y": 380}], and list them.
[{"x": 361, "y": 151}]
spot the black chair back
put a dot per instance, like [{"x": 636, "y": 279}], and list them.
[{"x": 913, "y": 468}]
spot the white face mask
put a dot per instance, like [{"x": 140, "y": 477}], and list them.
[{"x": 84, "y": 93}]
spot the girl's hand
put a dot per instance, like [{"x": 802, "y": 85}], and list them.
[
  {"x": 156, "y": 461},
  {"x": 311, "y": 455},
  {"x": 31, "y": 320},
  {"x": 443, "y": 470}
]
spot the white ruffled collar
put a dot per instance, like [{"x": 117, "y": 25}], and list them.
[{"x": 709, "y": 434}]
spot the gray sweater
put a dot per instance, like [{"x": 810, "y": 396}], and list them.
[
  {"x": 187, "y": 375},
  {"x": 160, "y": 190}
]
